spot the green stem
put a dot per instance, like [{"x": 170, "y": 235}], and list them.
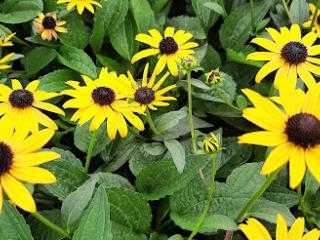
[
  {"x": 193, "y": 137},
  {"x": 90, "y": 150},
  {"x": 287, "y": 11},
  {"x": 226, "y": 100},
  {"x": 51, "y": 225},
  {"x": 255, "y": 197},
  {"x": 151, "y": 124},
  {"x": 303, "y": 206},
  {"x": 315, "y": 15},
  {"x": 210, "y": 197},
  {"x": 251, "y": 14}
]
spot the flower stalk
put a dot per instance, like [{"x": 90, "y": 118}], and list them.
[
  {"x": 151, "y": 123},
  {"x": 90, "y": 151},
  {"x": 193, "y": 137}
]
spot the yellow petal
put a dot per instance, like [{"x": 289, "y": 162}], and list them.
[
  {"x": 169, "y": 32},
  {"x": 312, "y": 235},
  {"x": 282, "y": 229},
  {"x": 262, "y": 56},
  {"x": 306, "y": 76},
  {"x": 268, "y": 68},
  {"x": 16, "y": 84},
  {"x": 297, "y": 229},
  {"x": 297, "y": 167},
  {"x": 309, "y": 39},
  {"x": 172, "y": 65},
  {"x": 312, "y": 159},
  {"x": 48, "y": 107},
  {"x": 34, "y": 159},
  {"x": 161, "y": 64},
  {"x": 261, "y": 232},
  {"x": 144, "y": 53},
  {"x": 33, "y": 175},
  {"x": 144, "y": 38},
  {"x": 32, "y": 86},
  {"x": 264, "y": 138},
  {"x": 295, "y": 33},
  {"x": 267, "y": 44}
]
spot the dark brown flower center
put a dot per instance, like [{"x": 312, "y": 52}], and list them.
[
  {"x": 214, "y": 77},
  {"x": 49, "y": 22},
  {"x": 168, "y": 46},
  {"x": 303, "y": 129},
  {"x": 144, "y": 95},
  {"x": 21, "y": 98},
  {"x": 294, "y": 52},
  {"x": 6, "y": 157},
  {"x": 103, "y": 96}
]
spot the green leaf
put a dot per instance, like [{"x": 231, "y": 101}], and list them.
[
  {"x": 69, "y": 173},
  {"x": 55, "y": 81},
  {"x": 282, "y": 195},
  {"x": 19, "y": 11},
  {"x": 74, "y": 205},
  {"x": 38, "y": 58},
  {"x": 107, "y": 19},
  {"x": 142, "y": 14},
  {"x": 13, "y": 225},
  {"x": 211, "y": 60},
  {"x": 177, "y": 153},
  {"x": 82, "y": 138},
  {"x": 154, "y": 186},
  {"x": 207, "y": 17},
  {"x": 235, "y": 31},
  {"x": 123, "y": 40},
  {"x": 110, "y": 180},
  {"x": 95, "y": 222},
  {"x": 77, "y": 60},
  {"x": 299, "y": 10},
  {"x": 240, "y": 57},
  {"x": 112, "y": 64},
  {"x": 215, "y": 7},
  {"x": 189, "y": 24},
  {"x": 77, "y": 35},
  {"x": 176, "y": 237}
]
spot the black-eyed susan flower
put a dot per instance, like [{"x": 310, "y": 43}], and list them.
[
  {"x": 254, "y": 230},
  {"x": 104, "y": 99},
  {"x": 4, "y": 61},
  {"x": 293, "y": 131},
  {"x": 20, "y": 106},
  {"x": 289, "y": 54},
  {"x": 172, "y": 48},
  {"x": 5, "y": 41},
  {"x": 80, "y": 5},
  {"x": 210, "y": 143},
  {"x": 48, "y": 26},
  {"x": 316, "y": 25},
  {"x": 19, "y": 163},
  {"x": 214, "y": 77},
  {"x": 149, "y": 94}
]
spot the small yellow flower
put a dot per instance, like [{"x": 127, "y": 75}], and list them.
[
  {"x": 80, "y": 4},
  {"x": 214, "y": 77},
  {"x": 172, "y": 48},
  {"x": 48, "y": 25},
  {"x": 149, "y": 93},
  {"x": 5, "y": 60},
  {"x": 210, "y": 144},
  {"x": 19, "y": 107},
  {"x": 5, "y": 42},
  {"x": 104, "y": 99},
  {"x": 316, "y": 26},
  {"x": 254, "y": 230},
  {"x": 19, "y": 163},
  {"x": 293, "y": 130},
  {"x": 290, "y": 54}
]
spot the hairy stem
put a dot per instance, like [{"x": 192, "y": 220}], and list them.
[
  {"x": 193, "y": 137},
  {"x": 90, "y": 150},
  {"x": 151, "y": 124}
]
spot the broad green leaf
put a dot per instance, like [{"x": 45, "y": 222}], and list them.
[
  {"x": 177, "y": 153},
  {"x": 142, "y": 14},
  {"x": 112, "y": 64},
  {"x": 299, "y": 10},
  {"x": 189, "y": 24},
  {"x": 38, "y": 58},
  {"x": 121, "y": 232},
  {"x": 77, "y": 35},
  {"x": 78, "y": 60},
  {"x": 235, "y": 30},
  {"x": 311, "y": 186},
  {"x": 112, "y": 180},
  {"x": 13, "y": 225},
  {"x": 55, "y": 81},
  {"x": 107, "y": 19},
  {"x": 176, "y": 237},
  {"x": 152, "y": 183},
  {"x": 123, "y": 40},
  {"x": 207, "y": 17},
  {"x": 19, "y": 11},
  {"x": 69, "y": 173},
  {"x": 211, "y": 60},
  {"x": 215, "y": 7},
  {"x": 82, "y": 138},
  {"x": 95, "y": 222},
  {"x": 282, "y": 195}
]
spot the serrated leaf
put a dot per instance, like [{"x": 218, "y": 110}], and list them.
[
  {"x": 112, "y": 180},
  {"x": 55, "y": 81},
  {"x": 142, "y": 14},
  {"x": 38, "y": 58},
  {"x": 177, "y": 153}
]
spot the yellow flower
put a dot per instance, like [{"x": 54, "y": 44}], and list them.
[
  {"x": 80, "y": 4},
  {"x": 289, "y": 54},
  {"x": 316, "y": 26},
  {"x": 6, "y": 41},
  {"x": 254, "y": 230},
  {"x": 172, "y": 48},
  {"x": 4, "y": 61},
  {"x": 211, "y": 143},
  {"x": 19, "y": 161},
  {"x": 48, "y": 25},
  {"x": 214, "y": 77},
  {"x": 19, "y": 107},
  {"x": 104, "y": 99},
  {"x": 149, "y": 94},
  {"x": 294, "y": 132}
]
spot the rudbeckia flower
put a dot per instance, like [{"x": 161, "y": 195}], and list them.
[
  {"x": 316, "y": 26},
  {"x": 289, "y": 54},
  {"x": 4, "y": 61},
  {"x": 19, "y": 107},
  {"x": 103, "y": 99},
  {"x": 5, "y": 42},
  {"x": 172, "y": 48},
  {"x": 48, "y": 25},
  {"x": 149, "y": 94},
  {"x": 80, "y": 4},
  {"x": 254, "y": 230},
  {"x": 293, "y": 130},
  {"x": 19, "y": 163}
]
